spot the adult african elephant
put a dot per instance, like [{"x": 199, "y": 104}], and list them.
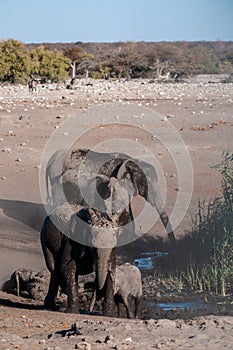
[
  {"x": 77, "y": 241},
  {"x": 63, "y": 167},
  {"x": 82, "y": 166}
]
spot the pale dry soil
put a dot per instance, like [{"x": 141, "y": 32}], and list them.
[{"x": 202, "y": 113}]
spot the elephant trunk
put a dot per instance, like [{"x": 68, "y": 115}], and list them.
[
  {"x": 168, "y": 227},
  {"x": 103, "y": 265},
  {"x": 155, "y": 200}
]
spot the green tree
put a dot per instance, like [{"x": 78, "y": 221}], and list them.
[
  {"x": 14, "y": 61},
  {"x": 49, "y": 64}
]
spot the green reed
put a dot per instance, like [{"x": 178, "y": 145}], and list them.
[{"x": 203, "y": 259}]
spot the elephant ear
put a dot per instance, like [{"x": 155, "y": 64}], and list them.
[
  {"x": 84, "y": 215},
  {"x": 111, "y": 167},
  {"x": 123, "y": 218},
  {"x": 102, "y": 186},
  {"x": 131, "y": 171}
]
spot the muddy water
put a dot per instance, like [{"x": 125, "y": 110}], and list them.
[
  {"x": 174, "y": 305},
  {"x": 186, "y": 309}
]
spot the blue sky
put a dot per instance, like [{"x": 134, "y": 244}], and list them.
[{"x": 116, "y": 20}]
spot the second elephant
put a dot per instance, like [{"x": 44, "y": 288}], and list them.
[{"x": 67, "y": 170}]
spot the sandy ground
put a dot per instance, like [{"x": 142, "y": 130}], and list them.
[{"x": 203, "y": 115}]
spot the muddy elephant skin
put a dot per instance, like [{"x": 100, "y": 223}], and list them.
[{"x": 66, "y": 259}]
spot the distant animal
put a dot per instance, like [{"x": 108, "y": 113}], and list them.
[
  {"x": 32, "y": 85},
  {"x": 127, "y": 291}
]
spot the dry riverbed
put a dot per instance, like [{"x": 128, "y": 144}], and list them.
[{"x": 201, "y": 112}]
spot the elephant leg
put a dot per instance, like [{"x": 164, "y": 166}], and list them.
[
  {"x": 120, "y": 310},
  {"x": 137, "y": 307},
  {"x": 72, "y": 290},
  {"x": 69, "y": 278},
  {"x": 92, "y": 302},
  {"x": 109, "y": 304},
  {"x": 128, "y": 307},
  {"x": 50, "y": 299},
  {"x": 120, "y": 306}
]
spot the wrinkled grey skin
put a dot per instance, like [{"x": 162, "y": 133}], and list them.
[
  {"x": 53, "y": 176},
  {"x": 127, "y": 290},
  {"x": 66, "y": 259},
  {"x": 140, "y": 176}
]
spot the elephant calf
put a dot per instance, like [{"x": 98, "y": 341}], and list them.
[{"x": 127, "y": 291}]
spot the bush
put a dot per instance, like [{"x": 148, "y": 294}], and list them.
[
  {"x": 14, "y": 62},
  {"x": 204, "y": 258},
  {"x": 18, "y": 65},
  {"x": 49, "y": 65}
]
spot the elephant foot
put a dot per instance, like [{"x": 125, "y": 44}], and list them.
[
  {"x": 50, "y": 307},
  {"x": 108, "y": 311},
  {"x": 72, "y": 310}
]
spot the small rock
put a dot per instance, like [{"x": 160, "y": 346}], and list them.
[
  {"x": 83, "y": 346},
  {"x": 109, "y": 339},
  {"x": 18, "y": 160},
  {"x": 128, "y": 340},
  {"x": 3, "y": 177},
  {"x": 7, "y": 150},
  {"x": 42, "y": 341}
]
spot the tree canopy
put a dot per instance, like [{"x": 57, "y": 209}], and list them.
[{"x": 20, "y": 62}]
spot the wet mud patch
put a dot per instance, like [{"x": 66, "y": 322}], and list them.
[{"x": 159, "y": 303}]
